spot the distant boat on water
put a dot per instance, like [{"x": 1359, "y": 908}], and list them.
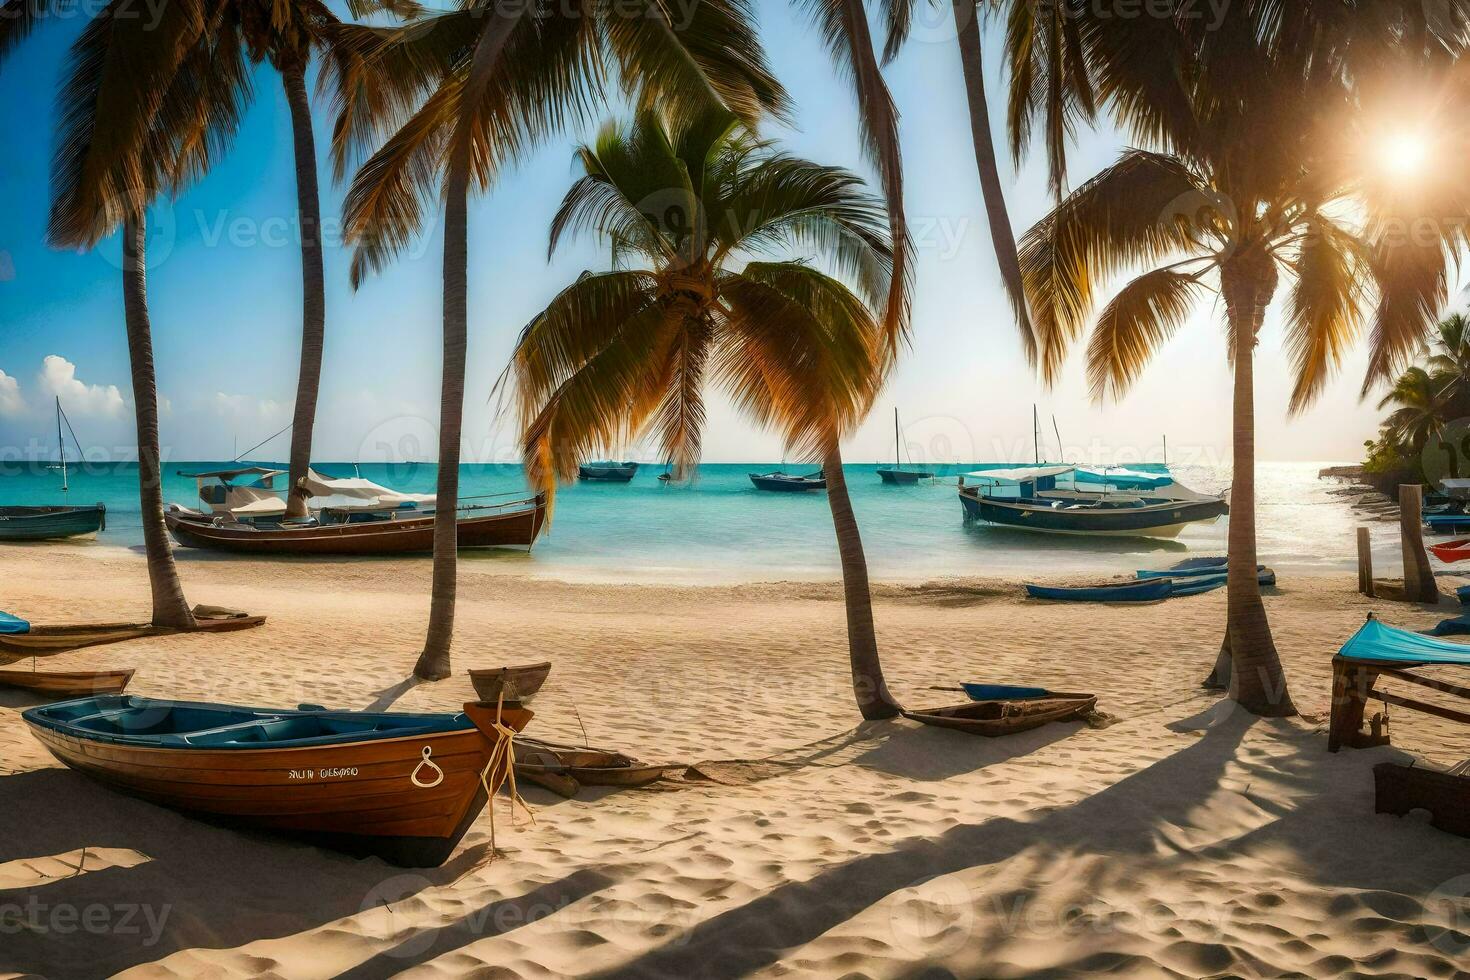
[
  {"x": 780, "y": 482},
  {"x": 897, "y": 475},
  {"x": 54, "y": 522},
  {"x": 1049, "y": 499},
  {"x": 607, "y": 471}
]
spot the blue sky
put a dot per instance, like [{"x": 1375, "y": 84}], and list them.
[{"x": 225, "y": 294}]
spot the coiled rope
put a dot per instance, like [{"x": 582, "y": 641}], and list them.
[{"x": 502, "y": 755}]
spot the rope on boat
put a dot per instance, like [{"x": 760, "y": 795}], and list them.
[{"x": 503, "y": 755}]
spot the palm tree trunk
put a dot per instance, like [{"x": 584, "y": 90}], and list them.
[
  {"x": 169, "y": 606},
  {"x": 433, "y": 663},
  {"x": 1002, "y": 236},
  {"x": 313, "y": 284},
  {"x": 873, "y": 698},
  {"x": 1257, "y": 680}
]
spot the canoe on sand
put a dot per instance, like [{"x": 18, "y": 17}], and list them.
[
  {"x": 565, "y": 769},
  {"x": 996, "y": 718},
  {"x": 67, "y": 683},
  {"x": 1147, "y": 590},
  {"x": 1451, "y": 551},
  {"x": 405, "y": 787},
  {"x": 43, "y": 641}
]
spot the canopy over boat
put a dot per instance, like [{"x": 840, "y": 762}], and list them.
[
  {"x": 357, "y": 492},
  {"x": 1124, "y": 479},
  {"x": 1020, "y": 475},
  {"x": 1375, "y": 643},
  {"x": 262, "y": 474}
]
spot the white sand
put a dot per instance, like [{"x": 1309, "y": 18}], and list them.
[{"x": 1185, "y": 840}]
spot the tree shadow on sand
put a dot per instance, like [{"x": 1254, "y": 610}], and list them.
[
  {"x": 207, "y": 885},
  {"x": 1126, "y": 818}
]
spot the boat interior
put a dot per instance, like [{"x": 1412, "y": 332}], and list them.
[{"x": 164, "y": 724}]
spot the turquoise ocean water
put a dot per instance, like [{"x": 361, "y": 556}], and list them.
[{"x": 720, "y": 528}]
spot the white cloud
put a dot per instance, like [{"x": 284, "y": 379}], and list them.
[
  {"x": 11, "y": 403},
  {"x": 58, "y": 378}
]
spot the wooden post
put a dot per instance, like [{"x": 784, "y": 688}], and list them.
[
  {"x": 1351, "y": 686},
  {"x": 1419, "y": 584},
  {"x": 1365, "y": 563}
]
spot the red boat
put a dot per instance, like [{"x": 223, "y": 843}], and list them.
[
  {"x": 515, "y": 524},
  {"x": 1450, "y": 552}
]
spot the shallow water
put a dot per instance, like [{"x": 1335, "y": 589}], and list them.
[{"x": 720, "y": 528}]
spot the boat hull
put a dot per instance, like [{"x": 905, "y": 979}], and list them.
[
  {"x": 50, "y": 523},
  {"x": 45, "y": 641},
  {"x": 415, "y": 535},
  {"x": 903, "y": 477},
  {"x": 993, "y": 719},
  {"x": 787, "y": 484},
  {"x": 607, "y": 474},
  {"x": 1165, "y": 520},
  {"x": 1148, "y": 590},
  {"x": 360, "y": 797},
  {"x": 511, "y": 683},
  {"x": 67, "y": 683}
]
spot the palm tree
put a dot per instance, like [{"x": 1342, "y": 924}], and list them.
[
  {"x": 632, "y": 350},
  {"x": 1422, "y": 412},
  {"x": 1244, "y": 192},
  {"x": 471, "y": 90},
  {"x": 142, "y": 111}
]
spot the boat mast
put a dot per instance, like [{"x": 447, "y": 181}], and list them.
[
  {"x": 897, "y": 461},
  {"x": 1036, "y": 433},
  {"x": 60, "y": 445},
  {"x": 1166, "y": 449}
]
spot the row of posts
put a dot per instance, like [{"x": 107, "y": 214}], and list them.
[{"x": 1419, "y": 583}]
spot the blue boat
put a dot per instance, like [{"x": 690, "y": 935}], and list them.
[
  {"x": 1049, "y": 499},
  {"x": 1198, "y": 584},
  {"x": 1148, "y": 590},
  {"x": 50, "y": 523},
  {"x": 13, "y": 625},
  {"x": 1447, "y": 523},
  {"x": 1176, "y": 572}
]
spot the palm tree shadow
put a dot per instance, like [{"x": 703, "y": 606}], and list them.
[
  {"x": 935, "y": 754},
  {"x": 389, "y": 696},
  {"x": 1121, "y": 819}
]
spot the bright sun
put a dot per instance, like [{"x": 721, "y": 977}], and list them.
[{"x": 1404, "y": 153}]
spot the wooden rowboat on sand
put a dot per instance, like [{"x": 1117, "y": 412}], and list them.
[
  {"x": 510, "y": 683},
  {"x": 405, "y": 787},
  {"x": 44, "y": 641},
  {"x": 1006, "y": 717},
  {"x": 67, "y": 683},
  {"x": 565, "y": 769}
]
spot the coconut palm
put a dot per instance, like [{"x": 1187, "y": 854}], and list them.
[
  {"x": 712, "y": 235},
  {"x": 472, "y": 90},
  {"x": 142, "y": 111},
  {"x": 1422, "y": 411},
  {"x": 1247, "y": 192}
]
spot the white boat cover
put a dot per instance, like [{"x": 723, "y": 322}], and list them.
[
  {"x": 355, "y": 492},
  {"x": 1022, "y": 474}
]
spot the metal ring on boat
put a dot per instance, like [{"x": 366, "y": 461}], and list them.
[{"x": 427, "y": 761}]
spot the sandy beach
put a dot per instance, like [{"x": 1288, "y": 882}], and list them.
[{"x": 1184, "y": 839}]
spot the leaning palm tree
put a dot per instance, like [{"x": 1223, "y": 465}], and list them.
[
  {"x": 471, "y": 91},
  {"x": 713, "y": 235},
  {"x": 142, "y": 111},
  {"x": 1246, "y": 192}
]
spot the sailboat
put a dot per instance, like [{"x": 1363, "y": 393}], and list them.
[
  {"x": 53, "y": 523},
  {"x": 898, "y": 475}
]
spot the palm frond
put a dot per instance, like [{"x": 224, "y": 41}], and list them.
[
  {"x": 1326, "y": 313},
  {"x": 1132, "y": 328}
]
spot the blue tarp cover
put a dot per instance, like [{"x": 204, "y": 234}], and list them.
[
  {"x": 13, "y": 624},
  {"x": 1379, "y": 644}
]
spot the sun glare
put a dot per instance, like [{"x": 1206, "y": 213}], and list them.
[{"x": 1404, "y": 154}]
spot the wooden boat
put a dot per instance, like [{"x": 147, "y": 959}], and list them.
[
  {"x": 1445, "y": 796},
  {"x": 510, "y": 683},
  {"x": 564, "y": 769},
  {"x": 44, "y": 641},
  {"x": 607, "y": 471},
  {"x": 897, "y": 475},
  {"x": 67, "y": 683},
  {"x": 786, "y": 483},
  {"x": 50, "y": 523},
  {"x": 515, "y": 524},
  {"x": 1008, "y": 716},
  {"x": 1034, "y": 498},
  {"x": 1148, "y": 590},
  {"x": 1450, "y": 552},
  {"x": 405, "y": 787}
]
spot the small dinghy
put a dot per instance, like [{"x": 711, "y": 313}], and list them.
[
  {"x": 607, "y": 471},
  {"x": 44, "y": 641},
  {"x": 405, "y": 787},
  {"x": 67, "y": 683},
  {"x": 1201, "y": 571},
  {"x": 1007, "y": 716},
  {"x": 1451, "y": 551},
  {"x": 1198, "y": 584},
  {"x": 786, "y": 483},
  {"x": 565, "y": 769},
  {"x": 510, "y": 683},
  {"x": 1148, "y": 590}
]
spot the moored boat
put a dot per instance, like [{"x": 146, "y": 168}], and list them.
[
  {"x": 607, "y": 471},
  {"x": 51, "y": 523},
  {"x": 1450, "y": 552},
  {"x": 67, "y": 683},
  {"x": 780, "y": 482},
  {"x": 1007, "y": 716},
  {"x": 897, "y": 475},
  {"x": 1046, "y": 499},
  {"x": 514, "y": 523},
  {"x": 511, "y": 683},
  {"x": 405, "y": 787}
]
